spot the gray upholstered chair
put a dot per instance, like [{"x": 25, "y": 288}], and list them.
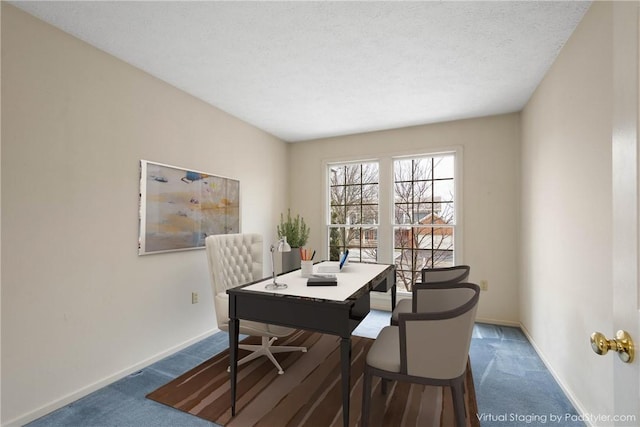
[
  {"x": 430, "y": 347},
  {"x": 234, "y": 260},
  {"x": 455, "y": 274}
]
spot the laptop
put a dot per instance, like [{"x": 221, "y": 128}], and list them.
[{"x": 334, "y": 266}]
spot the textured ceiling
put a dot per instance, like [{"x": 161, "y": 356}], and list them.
[{"x": 304, "y": 70}]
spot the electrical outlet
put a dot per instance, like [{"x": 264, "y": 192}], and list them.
[
  {"x": 484, "y": 285},
  {"x": 194, "y": 297}
]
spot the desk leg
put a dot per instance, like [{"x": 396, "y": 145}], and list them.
[
  {"x": 234, "y": 330},
  {"x": 345, "y": 357},
  {"x": 393, "y": 297}
]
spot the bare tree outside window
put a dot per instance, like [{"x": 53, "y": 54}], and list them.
[
  {"x": 354, "y": 211},
  {"x": 424, "y": 216},
  {"x": 423, "y": 220}
]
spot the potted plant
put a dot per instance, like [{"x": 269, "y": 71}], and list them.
[{"x": 296, "y": 232}]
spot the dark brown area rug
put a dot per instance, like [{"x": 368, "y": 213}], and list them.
[{"x": 309, "y": 393}]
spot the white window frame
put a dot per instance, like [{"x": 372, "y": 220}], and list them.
[
  {"x": 386, "y": 198},
  {"x": 327, "y": 207}
]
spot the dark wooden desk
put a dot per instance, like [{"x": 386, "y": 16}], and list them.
[{"x": 311, "y": 308}]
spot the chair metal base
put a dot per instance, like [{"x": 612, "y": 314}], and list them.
[{"x": 267, "y": 349}]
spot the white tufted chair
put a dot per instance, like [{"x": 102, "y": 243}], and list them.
[{"x": 234, "y": 260}]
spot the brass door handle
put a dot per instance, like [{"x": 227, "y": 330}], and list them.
[{"x": 622, "y": 343}]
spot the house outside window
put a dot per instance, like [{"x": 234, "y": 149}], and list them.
[{"x": 424, "y": 214}]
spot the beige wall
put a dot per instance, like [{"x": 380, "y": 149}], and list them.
[
  {"x": 79, "y": 306},
  {"x": 490, "y": 202},
  {"x": 566, "y": 264}
]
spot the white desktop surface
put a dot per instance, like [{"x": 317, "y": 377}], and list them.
[{"x": 352, "y": 277}]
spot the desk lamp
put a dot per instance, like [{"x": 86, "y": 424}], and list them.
[{"x": 281, "y": 246}]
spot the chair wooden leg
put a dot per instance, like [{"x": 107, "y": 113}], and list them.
[
  {"x": 457, "y": 393},
  {"x": 383, "y": 385},
  {"x": 366, "y": 397}
]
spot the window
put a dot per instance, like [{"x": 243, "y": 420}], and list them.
[
  {"x": 409, "y": 219},
  {"x": 424, "y": 215},
  {"x": 353, "y": 211}
]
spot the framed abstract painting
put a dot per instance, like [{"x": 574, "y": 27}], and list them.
[{"x": 180, "y": 207}]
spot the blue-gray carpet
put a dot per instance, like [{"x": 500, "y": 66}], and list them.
[{"x": 513, "y": 387}]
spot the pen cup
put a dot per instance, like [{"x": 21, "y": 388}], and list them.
[{"x": 306, "y": 268}]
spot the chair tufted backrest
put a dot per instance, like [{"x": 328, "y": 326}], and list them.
[{"x": 234, "y": 259}]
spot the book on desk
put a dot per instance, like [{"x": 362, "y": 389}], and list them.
[{"x": 322, "y": 280}]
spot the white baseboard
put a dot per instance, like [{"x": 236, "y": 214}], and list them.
[
  {"x": 498, "y": 322},
  {"x": 574, "y": 401},
  {"x": 382, "y": 301},
  {"x": 78, "y": 394}
]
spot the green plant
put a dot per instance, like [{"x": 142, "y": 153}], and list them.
[
  {"x": 335, "y": 244},
  {"x": 294, "y": 229}
]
